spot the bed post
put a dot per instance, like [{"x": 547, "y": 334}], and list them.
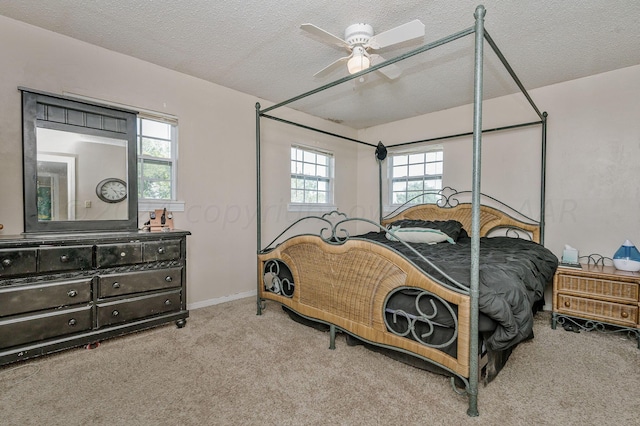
[
  {"x": 258, "y": 203},
  {"x": 543, "y": 174},
  {"x": 475, "y": 213},
  {"x": 380, "y": 212}
]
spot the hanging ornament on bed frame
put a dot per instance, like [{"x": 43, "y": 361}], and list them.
[{"x": 381, "y": 151}]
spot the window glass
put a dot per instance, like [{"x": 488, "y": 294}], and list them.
[
  {"x": 412, "y": 174},
  {"x": 311, "y": 176},
  {"x": 156, "y": 159}
]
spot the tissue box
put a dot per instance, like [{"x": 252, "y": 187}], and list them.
[{"x": 570, "y": 256}]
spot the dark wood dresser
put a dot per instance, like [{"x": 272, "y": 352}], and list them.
[{"x": 61, "y": 291}]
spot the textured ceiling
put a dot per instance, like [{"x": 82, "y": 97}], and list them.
[{"x": 257, "y": 47}]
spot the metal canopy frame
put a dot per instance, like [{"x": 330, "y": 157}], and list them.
[{"x": 481, "y": 35}]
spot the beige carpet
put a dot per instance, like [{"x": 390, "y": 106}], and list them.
[{"x": 231, "y": 367}]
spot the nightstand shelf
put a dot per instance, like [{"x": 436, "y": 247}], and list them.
[{"x": 597, "y": 297}]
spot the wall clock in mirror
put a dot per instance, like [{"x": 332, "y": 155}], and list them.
[{"x": 112, "y": 190}]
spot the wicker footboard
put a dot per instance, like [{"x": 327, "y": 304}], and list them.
[{"x": 349, "y": 286}]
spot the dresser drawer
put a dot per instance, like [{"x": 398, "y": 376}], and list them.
[
  {"x": 32, "y": 328},
  {"x": 614, "y": 313},
  {"x": 17, "y": 262},
  {"x": 36, "y": 297},
  {"x": 110, "y": 285},
  {"x": 65, "y": 258},
  {"x": 111, "y": 313},
  {"x": 118, "y": 254},
  {"x": 155, "y": 251},
  {"x": 615, "y": 291}
]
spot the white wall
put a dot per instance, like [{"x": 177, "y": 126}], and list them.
[
  {"x": 216, "y": 169},
  {"x": 593, "y": 159}
]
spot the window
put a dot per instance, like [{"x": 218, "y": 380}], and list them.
[
  {"x": 311, "y": 176},
  {"x": 411, "y": 174},
  {"x": 156, "y": 159}
]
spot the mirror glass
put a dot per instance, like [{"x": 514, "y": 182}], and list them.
[
  {"x": 79, "y": 166},
  {"x": 70, "y": 166}
]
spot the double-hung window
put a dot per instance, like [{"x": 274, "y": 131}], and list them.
[
  {"x": 412, "y": 174},
  {"x": 311, "y": 176},
  {"x": 157, "y": 157}
]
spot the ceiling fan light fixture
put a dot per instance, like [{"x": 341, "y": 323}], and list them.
[
  {"x": 358, "y": 62},
  {"x": 361, "y": 41}
]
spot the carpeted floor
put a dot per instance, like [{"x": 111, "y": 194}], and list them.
[{"x": 229, "y": 366}]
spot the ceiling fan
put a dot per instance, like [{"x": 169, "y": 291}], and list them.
[{"x": 361, "y": 41}]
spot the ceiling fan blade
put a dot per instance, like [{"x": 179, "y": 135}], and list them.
[
  {"x": 332, "y": 66},
  {"x": 324, "y": 35},
  {"x": 408, "y": 31},
  {"x": 390, "y": 71}
]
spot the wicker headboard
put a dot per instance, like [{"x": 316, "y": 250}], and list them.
[{"x": 490, "y": 218}]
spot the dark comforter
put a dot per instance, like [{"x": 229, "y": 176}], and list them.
[{"x": 513, "y": 276}]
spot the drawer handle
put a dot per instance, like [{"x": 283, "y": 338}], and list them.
[
  {"x": 567, "y": 304},
  {"x": 64, "y": 258},
  {"x": 72, "y": 322},
  {"x": 115, "y": 313},
  {"x": 6, "y": 262},
  {"x": 116, "y": 285},
  {"x": 72, "y": 293},
  {"x": 625, "y": 314},
  {"x": 161, "y": 250},
  {"x": 123, "y": 254},
  {"x": 167, "y": 302},
  {"x": 168, "y": 278}
]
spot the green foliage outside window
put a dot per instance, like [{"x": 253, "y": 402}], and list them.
[{"x": 155, "y": 159}]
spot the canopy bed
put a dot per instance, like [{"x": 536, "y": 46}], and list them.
[{"x": 444, "y": 303}]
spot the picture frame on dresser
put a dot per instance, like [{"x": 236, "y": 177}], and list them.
[{"x": 597, "y": 297}]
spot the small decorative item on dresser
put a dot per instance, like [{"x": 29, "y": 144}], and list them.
[
  {"x": 159, "y": 220},
  {"x": 627, "y": 258},
  {"x": 597, "y": 297},
  {"x": 570, "y": 257}
]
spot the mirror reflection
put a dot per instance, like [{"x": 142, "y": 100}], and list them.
[{"x": 76, "y": 174}]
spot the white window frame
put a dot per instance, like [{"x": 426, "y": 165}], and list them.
[
  {"x": 428, "y": 176},
  {"x": 172, "y": 204},
  {"x": 307, "y": 206}
]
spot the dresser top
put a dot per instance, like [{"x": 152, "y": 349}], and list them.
[
  {"x": 599, "y": 271},
  {"x": 8, "y": 241}
]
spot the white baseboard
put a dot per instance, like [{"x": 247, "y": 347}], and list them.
[{"x": 218, "y": 300}]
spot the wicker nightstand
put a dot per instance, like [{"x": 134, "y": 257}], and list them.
[{"x": 597, "y": 297}]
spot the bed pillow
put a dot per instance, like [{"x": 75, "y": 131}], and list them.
[
  {"x": 419, "y": 235},
  {"x": 452, "y": 228}
]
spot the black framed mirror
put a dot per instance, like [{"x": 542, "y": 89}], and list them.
[{"x": 80, "y": 168}]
